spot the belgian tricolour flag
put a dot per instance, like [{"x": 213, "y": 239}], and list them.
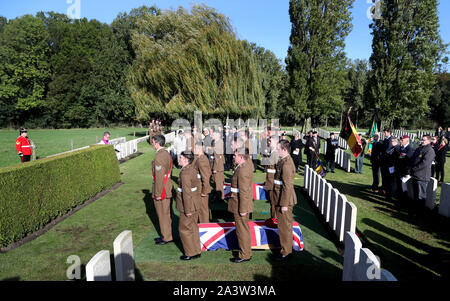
[{"x": 349, "y": 133}]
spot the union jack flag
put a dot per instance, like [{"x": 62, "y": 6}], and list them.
[
  {"x": 214, "y": 236},
  {"x": 259, "y": 193}
]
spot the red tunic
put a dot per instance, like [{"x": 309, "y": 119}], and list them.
[{"x": 23, "y": 145}]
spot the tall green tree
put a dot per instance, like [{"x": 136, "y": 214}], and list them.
[
  {"x": 316, "y": 58},
  {"x": 193, "y": 61},
  {"x": 406, "y": 50},
  {"x": 25, "y": 68},
  {"x": 273, "y": 80},
  {"x": 355, "y": 93}
]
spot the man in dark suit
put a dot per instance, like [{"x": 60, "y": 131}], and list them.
[
  {"x": 375, "y": 160},
  {"x": 402, "y": 166},
  {"x": 387, "y": 148},
  {"x": 296, "y": 150},
  {"x": 308, "y": 144},
  {"x": 330, "y": 155},
  {"x": 421, "y": 172}
]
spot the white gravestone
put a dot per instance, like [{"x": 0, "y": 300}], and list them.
[
  {"x": 368, "y": 267},
  {"x": 305, "y": 183},
  {"x": 340, "y": 216},
  {"x": 317, "y": 190},
  {"x": 326, "y": 201},
  {"x": 351, "y": 255},
  {"x": 313, "y": 185},
  {"x": 124, "y": 257},
  {"x": 99, "y": 267},
  {"x": 444, "y": 203},
  {"x": 350, "y": 217},
  {"x": 333, "y": 208},
  {"x": 431, "y": 193}
]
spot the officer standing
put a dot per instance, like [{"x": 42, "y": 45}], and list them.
[
  {"x": 188, "y": 204},
  {"x": 270, "y": 174},
  {"x": 23, "y": 146},
  {"x": 204, "y": 169},
  {"x": 162, "y": 189},
  {"x": 390, "y": 161},
  {"x": 241, "y": 203},
  {"x": 284, "y": 199}
]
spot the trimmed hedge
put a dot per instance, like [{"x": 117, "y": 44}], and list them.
[{"x": 33, "y": 194}]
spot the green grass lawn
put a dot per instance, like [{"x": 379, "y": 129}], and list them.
[
  {"x": 130, "y": 207},
  {"x": 411, "y": 248},
  {"x": 50, "y": 142}
]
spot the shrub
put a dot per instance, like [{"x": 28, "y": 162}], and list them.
[{"x": 33, "y": 194}]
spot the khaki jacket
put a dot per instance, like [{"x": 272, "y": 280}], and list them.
[
  {"x": 201, "y": 163},
  {"x": 188, "y": 191},
  {"x": 241, "y": 199},
  {"x": 283, "y": 188},
  {"x": 219, "y": 162},
  {"x": 160, "y": 168},
  {"x": 270, "y": 174}
]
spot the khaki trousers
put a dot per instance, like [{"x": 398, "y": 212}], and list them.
[
  {"x": 219, "y": 179},
  {"x": 189, "y": 234},
  {"x": 163, "y": 210},
  {"x": 285, "y": 222},
  {"x": 204, "y": 210},
  {"x": 243, "y": 236}
]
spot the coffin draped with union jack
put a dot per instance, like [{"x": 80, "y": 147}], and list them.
[
  {"x": 214, "y": 236},
  {"x": 259, "y": 193}
]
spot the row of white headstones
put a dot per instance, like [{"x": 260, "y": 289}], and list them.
[{"x": 360, "y": 264}]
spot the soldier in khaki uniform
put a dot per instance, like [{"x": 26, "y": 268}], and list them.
[
  {"x": 218, "y": 168},
  {"x": 270, "y": 173},
  {"x": 241, "y": 203},
  {"x": 162, "y": 189},
  {"x": 204, "y": 169},
  {"x": 188, "y": 203},
  {"x": 284, "y": 198}
]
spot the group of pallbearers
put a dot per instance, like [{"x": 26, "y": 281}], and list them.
[
  {"x": 193, "y": 190},
  {"x": 397, "y": 162}
]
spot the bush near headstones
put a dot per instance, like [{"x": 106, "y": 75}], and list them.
[{"x": 35, "y": 193}]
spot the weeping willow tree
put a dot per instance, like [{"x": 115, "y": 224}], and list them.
[{"x": 193, "y": 61}]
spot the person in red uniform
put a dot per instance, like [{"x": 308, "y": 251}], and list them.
[{"x": 23, "y": 146}]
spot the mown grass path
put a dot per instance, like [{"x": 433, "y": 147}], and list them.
[{"x": 130, "y": 207}]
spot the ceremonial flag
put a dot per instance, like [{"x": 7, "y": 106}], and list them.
[
  {"x": 320, "y": 170},
  {"x": 349, "y": 133},
  {"x": 376, "y": 121},
  {"x": 214, "y": 236},
  {"x": 259, "y": 193}
]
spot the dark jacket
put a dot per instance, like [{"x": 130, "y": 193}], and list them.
[
  {"x": 377, "y": 149},
  {"x": 391, "y": 157},
  {"x": 296, "y": 144},
  {"x": 402, "y": 166},
  {"x": 421, "y": 163},
  {"x": 441, "y": 154},
  {"x": 332, "y": 146},
  {"x": 307, "y": 144}
]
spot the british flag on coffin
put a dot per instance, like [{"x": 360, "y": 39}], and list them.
[
  {"x": 214, "y": 236},
  {"x": 259, "y": 193}
]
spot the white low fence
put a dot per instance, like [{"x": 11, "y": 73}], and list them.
[{"x": 359, "y": 263}]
